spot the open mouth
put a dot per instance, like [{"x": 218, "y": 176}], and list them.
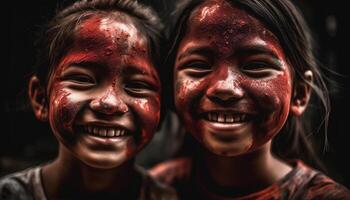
[
  {"x": 228, "y": 118},
  {"x": 105, "y": 132}
]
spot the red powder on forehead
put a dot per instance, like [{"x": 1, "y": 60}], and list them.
[
  {"x": 221, "y": 19},
  {"x": 107, "y": 41},
  {"x": 112, "y": 35}
]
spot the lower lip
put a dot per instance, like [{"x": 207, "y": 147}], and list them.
[
  {"x": 107, "y": 139},
  {"x": 225, "y": 130},
  {"x": 226, "y": 127}
]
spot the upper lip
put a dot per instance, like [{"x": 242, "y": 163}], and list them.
[
  {"x": 226, "y": 111},
  {"x": 242, "y": 107}
]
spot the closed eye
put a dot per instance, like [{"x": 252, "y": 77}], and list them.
[
  {"x": 256, "y": 66},
  {"x": 79, "y": 78},
  {"x": 196, "y": 69},
  {"x": 79, "y": 81},
  {"x": 259, "y": 68},
  {"x": 139, "y": 87}
]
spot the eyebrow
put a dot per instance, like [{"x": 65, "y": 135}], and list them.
[
  {"x": 256, "y": 49},
  {"x": 130, "y": 70},
  {"x": 245, "y": 50},
  {"x": 200, "y": 50},
  {"x": 86, "y": 64},
  {"x": 136, "y": 70},
  {"x": 250, "y": 50}
]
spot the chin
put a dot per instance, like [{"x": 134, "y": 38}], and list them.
[
  {"x": 227, "y": 149},
  {"x": 104, "y": 160}
]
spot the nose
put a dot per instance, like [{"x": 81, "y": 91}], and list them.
[
  {"x": 109, "y": 103},
  {"x": 225, "y": 88}
]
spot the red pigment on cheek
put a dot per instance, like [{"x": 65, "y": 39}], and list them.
[
  {"x": 147, "y": 119},
  {"x": 184, "y": 85},
  {"x": 130, "y": 149},
  {"x": 58, "y": 105},
  {"x": 149, "y": 110},
  {"x": 273, "y": 100}
]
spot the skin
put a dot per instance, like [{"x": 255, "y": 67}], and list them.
[
  {"x": 228, "y": 63},
  {"x": 107, "y": 81}
]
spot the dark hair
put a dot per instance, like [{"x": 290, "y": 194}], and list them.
[
  {"x": 58, "y": 35},
  {"x": 285, "y": 21}
]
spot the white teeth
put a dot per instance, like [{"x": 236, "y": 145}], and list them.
[
  {"x": 221, "y": 118},
  {"x": 215, "y": 117},
  {"x": 95, "y": 130},
  {"x": 229, "y": 118},
  {"x": 110, "y": 132},
  {"x": 226, "y": 118},
  {"x": 117, "y": 132},
  {"x": 104, "y": 132}
]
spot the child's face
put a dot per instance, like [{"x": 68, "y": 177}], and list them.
[
  {"x": 105, "y": 93},
  {"x": 233, "y": 85}
]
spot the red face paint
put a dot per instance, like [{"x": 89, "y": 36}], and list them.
[
  {"x": 232, "y": 81},
  {"x": 105, "y": 93}
]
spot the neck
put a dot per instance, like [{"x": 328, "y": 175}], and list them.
[
  {"x": 67, "y": 176},
  {"x": 245, "y": 173}
]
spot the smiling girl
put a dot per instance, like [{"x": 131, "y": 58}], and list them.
[
  {"x": 97, "y": 85},
  {"x": 243, "y": 73}
]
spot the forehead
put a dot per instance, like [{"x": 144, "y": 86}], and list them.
[
  {"x": 112, "y": 29},
  {"x": 226, "y": 20},
  {"x": 106, "y": 41}
]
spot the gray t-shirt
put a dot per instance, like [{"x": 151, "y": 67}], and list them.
[{"x": 27, "y": 185}]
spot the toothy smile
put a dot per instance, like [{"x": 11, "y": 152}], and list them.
[
  {"x": 100, "y": 131},
  {"x": 225, "y": 117}
]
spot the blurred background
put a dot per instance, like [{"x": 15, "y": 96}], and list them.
[{"x": 26, "y": 142}]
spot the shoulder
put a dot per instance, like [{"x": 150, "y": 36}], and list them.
[
  {"x": 312, "y": 184},
  {"x": 18, "y": 185},
  {"x": 323, "y": 187},
  {"x": 153, "y": 189}
]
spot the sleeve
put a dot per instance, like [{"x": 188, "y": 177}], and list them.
[
  {"x": 12, "y": 188},
  {"x": 322, "y": 187}
]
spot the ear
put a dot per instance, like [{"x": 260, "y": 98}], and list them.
[
  {"x": 302, "y": 93},
  {"x": 38, "y": 99}
]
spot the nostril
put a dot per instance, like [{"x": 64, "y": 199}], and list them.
[
  {"x": 225, "y": 94},
  {"x": 226, "y": 89},
  {"x": 106, "y": 106},
  {"x": 223, "y": 101}
]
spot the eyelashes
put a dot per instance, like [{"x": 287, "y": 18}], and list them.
[
  {"x": 79, "y": 81},
  {"x": 139, "y": 87},
  {"x": 261, "y": 65},
  {"x": 86, "y": 82},
  {"x": 196, "y": 68},
  {"x": 250, "y": 68},
  {"x": 79, "y": 78}
]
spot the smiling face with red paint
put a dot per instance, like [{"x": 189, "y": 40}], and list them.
[
  {"x": 233, "y": 85},
  {"x": 104, "y": 95}
]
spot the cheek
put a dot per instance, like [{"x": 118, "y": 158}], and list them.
[
  {"x": 64, "y": 108},
  {"x": 186, "y": 91},
  {"x": 271, "y": 94},
  {"x": 272, "y": 99},
  {"x": 148, "y": 114}
]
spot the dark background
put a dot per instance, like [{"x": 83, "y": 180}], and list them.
[{"x": 25, "y": 141}]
